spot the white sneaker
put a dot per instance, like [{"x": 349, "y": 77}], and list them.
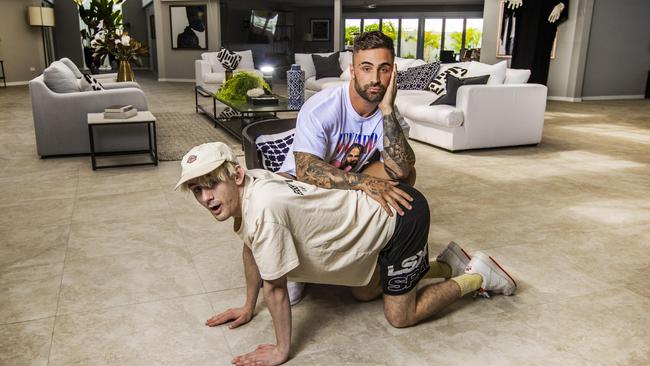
[
  {"x": 296, "y": 292},
  {"x": 455, "y": 257},
  {"x": 495, "y": 278}
]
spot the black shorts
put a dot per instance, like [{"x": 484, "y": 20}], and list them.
[{"x": 405, "y": 258}]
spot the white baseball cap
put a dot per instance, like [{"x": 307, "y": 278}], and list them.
[{"x": 203, "y": 159}]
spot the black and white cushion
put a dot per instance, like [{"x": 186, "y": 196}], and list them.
[
  {"x": 439, "y": 84},
  {"x": 453, "y": 83},
  {"x": 88, "y": 82},
  {"x": 418, "y": 77},
  {"x": 228, "y": 113},
  {"x": 274, "y": 149},
  {"x": 229, "y": 59}
]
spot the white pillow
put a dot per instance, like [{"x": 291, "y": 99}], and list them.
[
  {"x": 497, "y": 71},
  {"x": 246, "y": 61},
  {"x": 345, "y": 59},
  {"x": 403, "y": 63},
  {"x": 307, "y": 63},
  {"x": 517, "y": 76},
  {"x": 60, "y": 79},
  {"x": 346, "y": 75},
  {"x": 211, "y": 58},
  {"x": 75, "y": 70}
]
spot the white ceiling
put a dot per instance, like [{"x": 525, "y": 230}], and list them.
[{"x": 380, "y": 3}]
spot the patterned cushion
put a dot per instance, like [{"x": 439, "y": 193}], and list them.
[
  {"x": 88, "y": 82},
  {"x": 418, "y": 77},
  {"x": 439, "y": 84},
  {"x": 228, "y": 59},
  {"x": 274, "y": 149},
  {"x": 228, "y": 113}
]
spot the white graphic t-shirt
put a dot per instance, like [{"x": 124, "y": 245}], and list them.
[{"x": 330, "y": 128}]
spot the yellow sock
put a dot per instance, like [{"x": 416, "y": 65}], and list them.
[
  {"x": 438, "y": 270},
  {"x": 468, "y": 282}
]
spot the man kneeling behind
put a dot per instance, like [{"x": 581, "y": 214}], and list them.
[{"x": 341, "y": 237}]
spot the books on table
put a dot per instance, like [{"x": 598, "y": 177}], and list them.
[{"x": 120, "y": 112}]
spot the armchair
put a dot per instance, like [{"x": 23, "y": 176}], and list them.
[{"x": 61, "y": 119}]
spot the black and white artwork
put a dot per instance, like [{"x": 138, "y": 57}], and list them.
[
  {"x": 189, "y": 27},
  {"x": 320, "y": 29}
]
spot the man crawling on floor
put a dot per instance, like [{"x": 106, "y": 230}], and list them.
[{"x": 293, "y": 230}]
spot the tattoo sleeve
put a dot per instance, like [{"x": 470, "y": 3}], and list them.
[
  {"x": 398, "y": 155},
  {"x": 313, "y": 170}
]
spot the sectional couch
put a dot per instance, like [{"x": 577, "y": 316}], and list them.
[{"x": 505, "y": 112}]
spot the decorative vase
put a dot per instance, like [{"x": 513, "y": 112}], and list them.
[
  {"x": 295, "y": 87},
  {"x": 125, "y": 73}
]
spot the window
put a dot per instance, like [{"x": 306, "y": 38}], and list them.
[
  {"x": 473, "y": 33},
  {"x": 453, "y": 34},
  {"x": 390, "y": 27},
  {"x": 408, "y": 45},
  {"x": 437, "y": 34},
  {"x": 432, "y": 37},
  {"x": 370, "y": 25},
  {"x": 352, "y": 29}
]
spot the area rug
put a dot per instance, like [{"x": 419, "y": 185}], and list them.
[{"x": 178, "y": 132}]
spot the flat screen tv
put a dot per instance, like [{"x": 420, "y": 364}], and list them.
[{"x": 262, "y": 26}]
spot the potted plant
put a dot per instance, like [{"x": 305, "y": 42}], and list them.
[
  {"x": 124, "y": 48},
  {"x": 98, "y": 16},
  {"x": 239, "y": 84}
]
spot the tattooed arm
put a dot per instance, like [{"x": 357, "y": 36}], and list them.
[
  {"x": 312, "y": 169},
  {"x": 398, "y": 155}
]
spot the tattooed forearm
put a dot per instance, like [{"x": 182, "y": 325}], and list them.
[
  {"x": 399, "y": 158},
  {"x": 311, "y": 169}
]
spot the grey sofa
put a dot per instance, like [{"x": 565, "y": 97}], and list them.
[{"x": 61, "y": 119}]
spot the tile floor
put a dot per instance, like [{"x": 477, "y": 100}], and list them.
[{"x": 113, "y": 267}]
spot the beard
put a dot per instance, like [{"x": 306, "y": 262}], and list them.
[{"x": 363, "y": 91}]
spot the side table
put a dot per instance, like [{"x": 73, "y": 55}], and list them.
[{"x": 145, "y": 117}]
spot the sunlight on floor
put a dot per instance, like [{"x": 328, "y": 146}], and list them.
[
  {"x": 634, "y": 134},
  {"x": 617, "y": 212}
]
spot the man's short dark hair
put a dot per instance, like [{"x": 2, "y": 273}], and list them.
[{"x": 372, "y": 40}]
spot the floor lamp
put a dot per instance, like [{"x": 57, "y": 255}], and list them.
[{"x": 42, "y": 17}]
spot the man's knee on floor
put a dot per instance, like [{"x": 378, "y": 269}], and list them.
[
  {"x": 365, "y": 294},
  {"x": 398, "y": 319}
]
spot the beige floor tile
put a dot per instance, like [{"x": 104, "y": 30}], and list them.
[
  {"x": 120, "y": 206},
  {"x": 37, "y": 213},
  {"x": 118, "y": 181},
  {"x": 102, "y": 282},
  {"x": 122, "y": 236},
  {"x": 220, "y": 266},
  {"x": 170, "y": 332},
  {"x": 28, "y": 293},
  {"x": 28, "y": 246},
  {"x": 26, "y": 343}
]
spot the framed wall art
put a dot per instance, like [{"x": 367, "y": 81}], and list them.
[
  {"x": 189, "y": 27},
  {"x": 320, "y": 29}
]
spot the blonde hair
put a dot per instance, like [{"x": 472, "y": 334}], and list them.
[{"x": 225, "y": 172}]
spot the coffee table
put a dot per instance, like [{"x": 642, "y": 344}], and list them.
[
  {"x": 248, "y": 112},
  {"x": 144, "y": 117}
]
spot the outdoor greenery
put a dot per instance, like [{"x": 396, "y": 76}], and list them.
[
  {"x": 236, "y": 87},
  {"x": 431, "y": 40}
]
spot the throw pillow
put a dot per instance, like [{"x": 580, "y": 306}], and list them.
[
  {"x": 87, "y": 82},
  {"x": 327, "y": 66},
  {"x": 418, "y": 77},
  {"x": 453, "y": 83},
  {"x": 75, "y": 70},
  {"x": 228, "y": 59},
  {"x": 274, "y": 149},
  {"x": 439, "y": 83},
  {"x": 60, "y": 79}
]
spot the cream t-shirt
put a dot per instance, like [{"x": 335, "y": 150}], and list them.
[{"x": 312, "y": 234}]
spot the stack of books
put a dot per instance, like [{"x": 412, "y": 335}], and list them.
[{"x": 120, "y": 112}]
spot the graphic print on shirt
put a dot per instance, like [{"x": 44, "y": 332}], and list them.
[{"x": 353, "y": 149}]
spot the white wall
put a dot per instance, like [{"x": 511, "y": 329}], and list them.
[{"x": 178, "y": 65}]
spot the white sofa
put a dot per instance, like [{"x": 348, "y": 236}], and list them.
[
  {"x": 505, "y": 112},
  {"x": 210, "y": 74}
]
